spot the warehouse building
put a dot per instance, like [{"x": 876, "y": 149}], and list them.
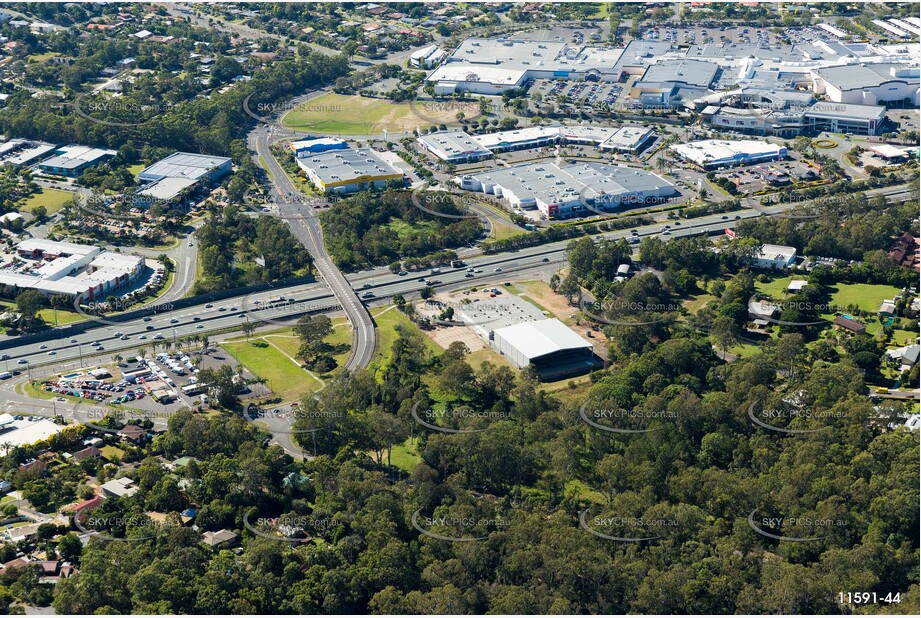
[
  {"x": 180, "y": 172},
  {"x": 713, "y": 154},
  {"x": 17, "y": 152},
  {"x": 564, "y": 191},
  {"x": 549, "y": 345},
  {"x": 84, "y": 272},
  {"x": 868, "y": 84},
  {"x": 348, "y": 171},
  {"x": 307, "y": 147},
  {"x": 453, "y": 147},
  {"x": 72, "y": 160}
]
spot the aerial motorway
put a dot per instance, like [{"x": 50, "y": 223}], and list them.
[
  {"x": 358, "y": 290},
  {"x": 309, "y": 233}
]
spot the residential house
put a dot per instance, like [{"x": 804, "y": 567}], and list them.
[
  {"x": 221, "y": 537},
  {"x": 846, "y": 324}
]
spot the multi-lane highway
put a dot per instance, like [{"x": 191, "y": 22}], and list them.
[
  {"x": 307, "y": 230},
  {"x": 232, "y": 313}
]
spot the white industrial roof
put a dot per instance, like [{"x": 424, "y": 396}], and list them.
[
  {"x": 340, "y": 166},
  {"x": 708, "y": 150},
  {"x": 26, "y": 433},
  {"x": 73, "y": 156},
  {"x": 887, "y": 151},
  {"x": 167, "y": 188},
  {"x": 543, "y": 337},
  {"x": 55, "y": 246},
  {"x": 452, "y": 143},
  {"x": 182, "y": 165}
]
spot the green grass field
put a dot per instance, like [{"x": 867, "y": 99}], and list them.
[
  {"x": 282, "y": 375},
  {"x": 357, "y": 115},
  {"x": 776, "y": 288},
  {"x": 52, "y": 199},
  {"x": 865, "y": 296}
]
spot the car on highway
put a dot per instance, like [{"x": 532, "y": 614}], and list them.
[
  {"x": 497, "y": 270},
  {"x": 73, "y": 341},
  {"x": 149, "y": 327},
  {"x": 52, "y": 353},
  {"x": 158, "y": 336},
  {"x": 43, "y": 347},
  {"x": 4, "y": 357},
  {"x": 222, "y": 308},
  {"x": 546, "y": 259},
  {"x": 200, "y": 326},
  {"x": 367, "y": 285},
  {"x": 724, "y": 217},
  {"x": 148, "y": 318},
  {"x": 402, "y": 273},
  {"x": 196, "y": 319},
  {"x": 143, "y": 337},
  {"x": 173, "y": 321},
  {"x": 208, "y": 306},
  {"x": 368, "y": 295},
  {"x": 22, "y": 361},
  {"x": 124, "y": 337}
]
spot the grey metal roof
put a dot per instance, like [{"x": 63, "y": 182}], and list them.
[
  {"x": 854, "y": 76},
  {"x": 692, "y": 72},
  {"x": 182, "y": 165}
]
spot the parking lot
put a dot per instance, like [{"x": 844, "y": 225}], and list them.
[{"x": 581, "y": 94}]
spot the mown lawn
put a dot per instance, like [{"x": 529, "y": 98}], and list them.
[
  {"x": 865, "y": 296},
  {"x": 52, "y": 199},
  {"x": 282, "y": 375}
]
